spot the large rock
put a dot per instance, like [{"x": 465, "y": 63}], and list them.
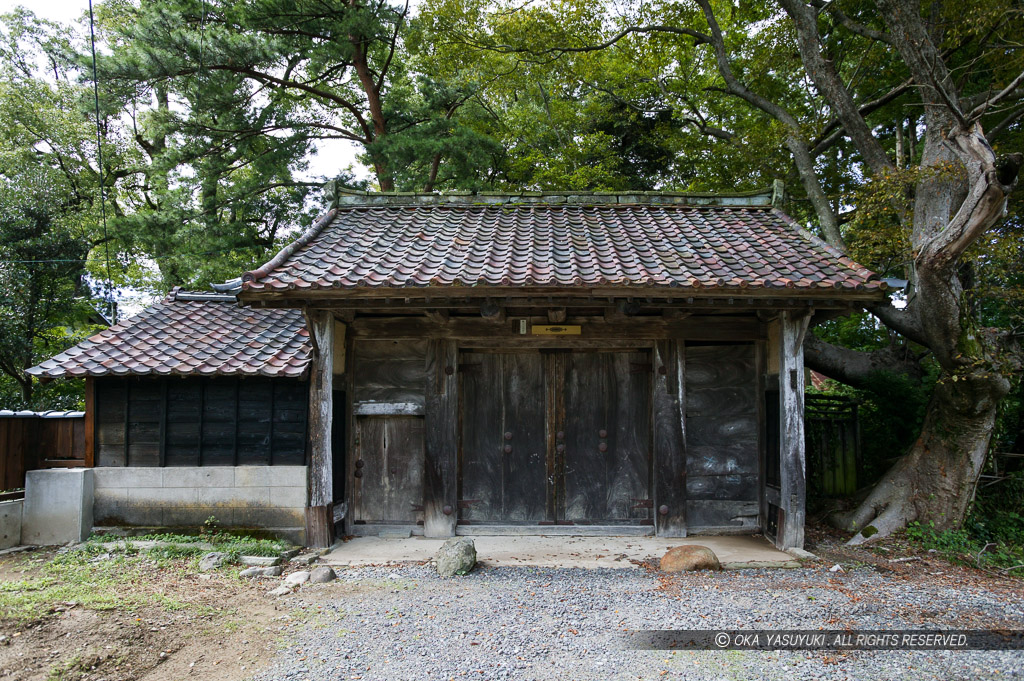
[
  {"x": 212, "y": 561},
  {"x": 322, "y": 575},
  {"x": 687, "y": 558},
  {"x": 456, "y": 557}
]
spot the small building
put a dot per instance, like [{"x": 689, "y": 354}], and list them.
[
  {"x": 485, "y": 363},
  {"x": 196, "y": 407}
]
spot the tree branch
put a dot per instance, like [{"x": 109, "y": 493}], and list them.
[
  {"x": 830, "y": 85},
  {"x": 794, "y": 139},
  {"x": 857, "y": 368}
]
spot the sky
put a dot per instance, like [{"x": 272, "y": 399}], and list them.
[{"x": 332, "y": 155}]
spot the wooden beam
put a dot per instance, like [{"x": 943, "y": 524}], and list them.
[
  {"x": 440, "y": 500},
  {"x": 90, "y": 422},
  {"x": 793, "y": 492},
  {"x": 698, "y": 327},
  {"x": 320, "y": 513},
  {"x": 669, "y": 443}
]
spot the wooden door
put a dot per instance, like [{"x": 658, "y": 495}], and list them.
[
  {"x": 555, "y": 437},
  {"x": 723, "y": 460},
  {"x": 605, "y": 460},
  {"x": 388, "y": 475},
  {"x": 503, "y": 459}
]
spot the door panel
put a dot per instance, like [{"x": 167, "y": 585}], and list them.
[
  {"x": 388, "y": 480},
  {"x": 721, "y": 436},
  {"x": 607, "y": 437},
  {"x": 503, "y": 465}
]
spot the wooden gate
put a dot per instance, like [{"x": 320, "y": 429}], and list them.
[
  {"x": 832, "y": 444},
  {"x": 555, "y": 437}
]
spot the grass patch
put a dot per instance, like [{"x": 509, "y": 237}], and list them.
[
  {"x": 81, "y": 578},
  {"x": 174, "y": 545},
  {"x": 968, "y": 548}
]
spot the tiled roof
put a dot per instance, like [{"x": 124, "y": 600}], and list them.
[
  {"x": 191, "y": 334},
  {"x": 642, "y": 245}
]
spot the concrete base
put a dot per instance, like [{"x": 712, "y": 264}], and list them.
[
  {"x": 546, "y": 551},
  {"x": 271, "y": 498},
  {"x": 10, "y": 523},
  {"x": 58, "y": 506}
]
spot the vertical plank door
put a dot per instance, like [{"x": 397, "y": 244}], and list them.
[
  {"x": 388, "y": 487},
  {"x": 606, "y": 429},
  {"x": 503, "y": 466}
]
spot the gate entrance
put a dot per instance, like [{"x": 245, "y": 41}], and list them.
[{"x": 559, "y": 437}]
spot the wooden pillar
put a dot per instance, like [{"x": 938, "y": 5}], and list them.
[
  {"x": 669, "y": 443},
  {"x": 793, "y": 493},
  {"x": 90, "y": 422},
  {"x": 320, "y": 512},
  {"x": 440, "y": 502}
]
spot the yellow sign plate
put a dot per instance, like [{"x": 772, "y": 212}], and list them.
[{"x": 556, "y": 330}]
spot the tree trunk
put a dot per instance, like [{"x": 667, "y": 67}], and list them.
[{"x": 935, "y": 481}]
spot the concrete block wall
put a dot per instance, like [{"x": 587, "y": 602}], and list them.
[{"x": 267, "y": 497}]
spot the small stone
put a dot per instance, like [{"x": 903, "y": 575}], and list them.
[
  {"x": 322, "y": 575},
  {"x": 290, "y": 553},
  {"x": 836, "y": 568},
  {"x": 689, "y": 558},
  {"x": 212, "y": 561},
  {"x": 304, "y": 559},
  {"x": 297, "y": 578},
  {"x": 801, "y": 554},
  {"x": 282, "y": 590},
  {"x": 261, "y": 561},
  {"x": 456, "y": 557}
]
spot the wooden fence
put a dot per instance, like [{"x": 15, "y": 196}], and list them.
[
  {"x": 832, "y": 439},
  {"x": 34, "y": 440}
]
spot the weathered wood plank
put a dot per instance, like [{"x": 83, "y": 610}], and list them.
[
  {"x": 717, "y": 514},
  {"x": 793, "y": 488},
  {"x": 698, "y": 327},
  {"x": 727, "y": 487},
  {"x": 441, "y": 440},
  {"x": 669, "y": 443},
  {"x": 90, "y": 422},
  {"x": 388, "y": 409},
  {"x": 319, "y": 514}
]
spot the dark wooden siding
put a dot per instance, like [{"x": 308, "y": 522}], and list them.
[{"x": 201, "y": 421}]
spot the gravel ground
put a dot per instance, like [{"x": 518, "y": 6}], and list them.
[{"x": 538, "y": 623}]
